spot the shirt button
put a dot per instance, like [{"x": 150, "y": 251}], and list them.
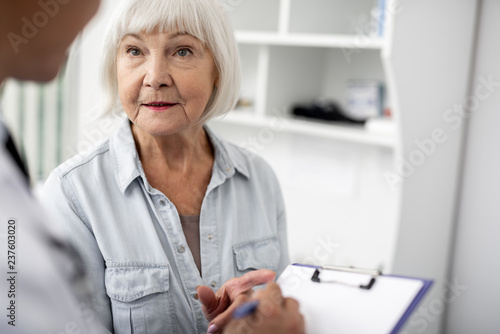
[
  {"x": 228, "y": 169},
  {"x": 162, "y": 202},
  {"x": 195, "y": 296},
  {"x": 181, "y": 249},
  {"x": 213, "y": 284},
  {"x": 210, "y": 236}
]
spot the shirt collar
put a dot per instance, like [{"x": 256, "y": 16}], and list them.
[
  {"x": 126, "y": 163},
  {"x": 127, "y": 166},
  {"x": 228, "y": 158}
]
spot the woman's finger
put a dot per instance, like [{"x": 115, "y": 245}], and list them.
[
  {"x": 208, "y": 300},
  {"x": 236, "y": 286}
]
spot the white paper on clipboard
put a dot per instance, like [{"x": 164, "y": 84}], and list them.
[{"x": 340, "y": 308}]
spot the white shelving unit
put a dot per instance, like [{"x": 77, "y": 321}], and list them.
[
  {"x": 275, "y": 48},
  {"x": 340, "y": 209},
  {"x": 295, "y": 51}
]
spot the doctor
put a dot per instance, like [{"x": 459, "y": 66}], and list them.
[{"x": 45, "y": 292}]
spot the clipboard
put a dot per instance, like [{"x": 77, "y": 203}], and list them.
[{"x": 349, "y": 300}]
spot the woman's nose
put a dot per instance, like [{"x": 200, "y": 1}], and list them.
[{"x": 157, "y": 73}]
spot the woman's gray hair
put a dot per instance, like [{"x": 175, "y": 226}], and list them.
[{"x": 203, "y": 19}]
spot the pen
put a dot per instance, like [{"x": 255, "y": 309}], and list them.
[{"x": 245, "y": 309}]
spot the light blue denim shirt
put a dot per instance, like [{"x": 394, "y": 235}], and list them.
[{"x": 140, "y": 268}]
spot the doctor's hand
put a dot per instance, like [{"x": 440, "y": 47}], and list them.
[
  {"x": 274, "y": 315},
  {"x": 219, "y": 306}
]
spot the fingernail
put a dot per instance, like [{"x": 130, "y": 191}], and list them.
[{"x": 212, "y": 329}]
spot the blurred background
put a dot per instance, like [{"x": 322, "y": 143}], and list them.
[{"x": 378, "y": 116}]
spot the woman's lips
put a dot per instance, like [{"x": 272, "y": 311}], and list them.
[{"x": 159, "y": 106}]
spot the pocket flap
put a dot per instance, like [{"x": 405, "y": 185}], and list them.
[
  {"x": 258, "y": 254},
  {"x": 128, "y": 283}
]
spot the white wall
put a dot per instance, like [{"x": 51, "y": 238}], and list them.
[
  {"x": 339, "y": 207},
  {"x": 431, "y": 60},
  {"x": 476, "y": 265}
]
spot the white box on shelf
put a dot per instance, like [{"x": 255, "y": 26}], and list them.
[{"x": 363, "y": 99}]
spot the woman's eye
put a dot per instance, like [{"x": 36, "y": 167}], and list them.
[
  {"x": 134, "y": 52},
  {"x": 183, "y": 52}
]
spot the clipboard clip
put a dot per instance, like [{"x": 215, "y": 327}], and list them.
[{"x": 370, "y": 272}]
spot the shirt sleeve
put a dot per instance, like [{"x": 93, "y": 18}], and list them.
[{"x": 61, "y": 203}]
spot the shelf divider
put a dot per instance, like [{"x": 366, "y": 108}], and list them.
[
  {"x": 262, "y": 80},
  {"x": 284, "y": 19}
]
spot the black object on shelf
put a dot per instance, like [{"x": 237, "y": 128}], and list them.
[{"x": 324, "y": 110}]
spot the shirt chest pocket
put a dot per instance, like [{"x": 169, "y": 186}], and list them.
[
  {"x": 140, "y": 299},
  {"x": 256, "y": 254}
]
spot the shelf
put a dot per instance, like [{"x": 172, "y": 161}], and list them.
[
  {"x": 345, "y": 132},
  {"x": 309, "y": 40}
]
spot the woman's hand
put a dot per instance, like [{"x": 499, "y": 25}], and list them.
[
  {"x": 274, "y": 315},
  {"x": 219, "y": 306}
]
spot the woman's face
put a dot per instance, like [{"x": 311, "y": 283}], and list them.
[{"x": 165, "y": 80}]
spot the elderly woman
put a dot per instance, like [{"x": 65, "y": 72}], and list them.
[{"x": 164, "y": 205}]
